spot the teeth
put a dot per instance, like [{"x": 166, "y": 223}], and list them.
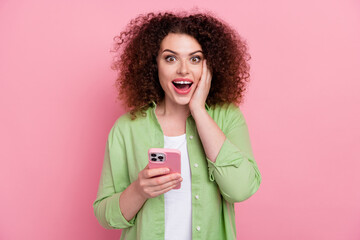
[{"x": 182, "y": 82}]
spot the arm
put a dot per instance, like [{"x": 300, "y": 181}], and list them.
[
  {"x": 230, "y": 159},
  {"x": 118, "y": 201},
  {"x": 148, "y": 185},
  {"x": 235, "y": 170},
  {"x": 212, "y": 138},
  {"x": 106, "y": 206}
]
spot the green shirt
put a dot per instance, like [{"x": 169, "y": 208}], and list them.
[{"x": 215, "y": 187}]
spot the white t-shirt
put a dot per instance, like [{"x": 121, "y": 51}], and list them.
[{"x": 178, "y": 201}]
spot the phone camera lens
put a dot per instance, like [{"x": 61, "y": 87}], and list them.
[
  {"x": 153, "y": 159},
  {"x": 153, "y": 155},
  {"x": 161, "y": 157}
]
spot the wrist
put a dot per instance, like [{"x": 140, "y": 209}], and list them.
[
  {"x": 194, "y": 108},
  {"x": 198, "y": 112},
  {"x": 136, "y": 189}
]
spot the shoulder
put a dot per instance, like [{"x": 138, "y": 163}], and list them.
[
  {"x": 126, "y": 123},
  {"x": 226, "y": 115},
  {"x": 224, "y": 111}
]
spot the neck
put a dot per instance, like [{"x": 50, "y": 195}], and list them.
[{"x": 169, "y": 109}]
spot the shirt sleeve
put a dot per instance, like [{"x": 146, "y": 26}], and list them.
[
  {"x": 235, "y": 170},
  {"x": 113, "y": 181}
]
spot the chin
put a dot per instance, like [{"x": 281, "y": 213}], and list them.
[{"x": 182, "y": 100}]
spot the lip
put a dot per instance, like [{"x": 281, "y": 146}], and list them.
[{"x": 182, "y": 92}]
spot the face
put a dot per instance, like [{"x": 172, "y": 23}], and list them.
[{"x": 179, "y": 64}]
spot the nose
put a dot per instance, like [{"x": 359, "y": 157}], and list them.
[{"x": 183, "y": 68}]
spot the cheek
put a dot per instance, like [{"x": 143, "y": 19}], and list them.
[
  {"x": 163, "y": 75},
  {"x": 163, "y": 70},
  {"x": 198, "y": 72}
]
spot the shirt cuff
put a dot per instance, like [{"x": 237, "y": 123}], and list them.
[
  {"x": 114, "y": 215},
  {"x": 228, "y": 156}
]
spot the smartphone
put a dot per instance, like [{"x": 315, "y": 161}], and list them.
[{"x": 165, "y": 157}]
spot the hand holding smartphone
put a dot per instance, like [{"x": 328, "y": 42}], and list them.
[{"x": 165, "y": 158}]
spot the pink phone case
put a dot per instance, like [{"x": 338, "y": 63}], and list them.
[{"x": 165, "y": 157}]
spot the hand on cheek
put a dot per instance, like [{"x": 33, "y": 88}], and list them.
[{"x": 198, "y": 99}]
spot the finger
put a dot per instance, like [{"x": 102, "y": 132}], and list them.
[
  {"x": 166, "y": 185},
  {"x": 153, "y": 172},
  {"x": 204, "y": 71},
  {"x": 208, "y": 72},
  {"x": 207, "y": 81},
  {"x": 203, "y": 77},
  {"x": 157, "y": 181},
  {"x": 157, "y": 193}
]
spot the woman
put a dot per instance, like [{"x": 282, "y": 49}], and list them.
[{"x": 181, "y": 77}]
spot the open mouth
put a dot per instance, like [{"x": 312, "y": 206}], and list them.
[{"x": 182, "y": 85}]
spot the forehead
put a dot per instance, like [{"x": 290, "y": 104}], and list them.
[{"x": 179, "y": 42}]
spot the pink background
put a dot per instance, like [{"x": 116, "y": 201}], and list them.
[{"x": 57, "y": 104}]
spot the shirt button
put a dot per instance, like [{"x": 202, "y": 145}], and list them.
[
  {"x": 196, "y": 165},
  {"x": 191, "y": 136},
  {"x": 197, "y": 196},
  {"x": 198, "y": 228}
]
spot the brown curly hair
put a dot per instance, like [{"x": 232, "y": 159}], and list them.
[{"x": 137, "y": 47}]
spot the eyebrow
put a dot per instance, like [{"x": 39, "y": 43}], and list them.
[{"x": 177, "y": 53}]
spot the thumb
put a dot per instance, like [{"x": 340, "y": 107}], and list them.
[{"x": 147, "y": 166}]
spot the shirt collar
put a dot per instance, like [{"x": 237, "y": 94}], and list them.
[
  {"x": 207, "y": 107},
  {"x": 153, "y": 105}
]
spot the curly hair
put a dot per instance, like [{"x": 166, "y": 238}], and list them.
[{"x": 137, "y": 47}]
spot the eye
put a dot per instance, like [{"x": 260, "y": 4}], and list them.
[
  {"x": 170, "y": 58},
  {"x": 195, "y": 59}
]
